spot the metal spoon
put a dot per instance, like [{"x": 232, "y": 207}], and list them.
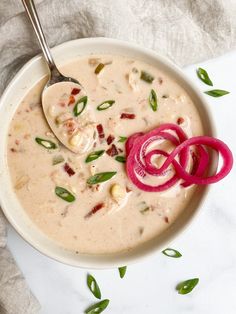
[{"x": 54, "y": 75}]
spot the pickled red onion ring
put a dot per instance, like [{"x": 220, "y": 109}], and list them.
[
  {"x": 145, "y": 187},
  {"x": 211, "y": 142},
  {"x": 139, "y": 158},
  {"x": 130, "y": 141},
  {"x": 199, "y": 165},
  {"x": 141, "y": 142}
]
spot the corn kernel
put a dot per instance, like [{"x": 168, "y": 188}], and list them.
[
  {"x": 75, "y": 140},
  {"x": 118, "y": 192},
  {"x": 51, "y": 111}
]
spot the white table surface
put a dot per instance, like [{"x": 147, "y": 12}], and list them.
[{"x": 208, "y": 246}]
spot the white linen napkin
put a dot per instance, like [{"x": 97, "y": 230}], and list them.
[{"x": 186, "y": 31}]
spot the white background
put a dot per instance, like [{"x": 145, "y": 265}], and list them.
[{"x": 208, "y": 246}]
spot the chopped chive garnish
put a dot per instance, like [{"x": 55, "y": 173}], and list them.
[
  {"x": 93, "y": 286},
  {"x": 148, "y": 78},
  {"x": 216, "y": 92},
  {"x": 94, "y": 155},
  {"x": 46, "y": 143},
  {"x": 187, "y": 286},
  {"x": 80, "y": 105},
  {"x": 171, "y": 253},
  {"x": 57, "y": 159},
  {"x": 97, "y": 307},
  {"x": 122, "y": 139},
  {"x": 99, "y": 68},
  {"x": 122, "y": 271},
  {"x": 64, "y": 194},
  {"x": 120, "y": 159},
  {"x": 105, "y": 105},
  {"x": 204, "y": 77},
  {"x": 153, "y": 100},
  {"x": 100, "y": 177}
]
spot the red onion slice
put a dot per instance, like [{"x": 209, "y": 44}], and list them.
[{"x": 139, "y": 158}]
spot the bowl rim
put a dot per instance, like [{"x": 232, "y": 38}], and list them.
[{"x": 121, "y": 258}]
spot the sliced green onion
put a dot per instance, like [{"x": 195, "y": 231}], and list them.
[
  {"x": 105, "y": 105},
  {"x": 143, "y": 207},
  {"x": 148, "y": 78},
  {"x": 187, "y": 286},
  {"x": 122, "y": 271},
  {"x": 120, "y": 159},
  {"x": 145, "y": 210},
  {"x": 80, "y": 105},
  {"x": 57, "y": 159},
  {"x": 46, "y": 143},
  {"x": 100, "y": 177},
  {"x": 93, "y": 286},
  {"x": 203, "y": 75},
  {"x": 171, "y": 253},
  {"x": 94, "y": 155},
  {"x": 153, "y": 100},
  {"x": 122, "y": 139},
  {"x": 64, "y": 194},
  {"x": 97, "y": 307},
  {"x": 216, "y": 92},
  {"x": 99, "y": 68}
]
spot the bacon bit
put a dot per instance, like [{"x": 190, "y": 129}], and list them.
[
  {"x": 26, "y": 136},
  {"x": 68, "y": 170},
  {"x": 180, "y": 120},
  {"x": 160, "y": 80},
  {"x": 100, "y": 131},
  {"x": 71, "y": 100},
  {"x": 112, "y": 151},
  {"x": 75, "y": 91},
  {"x": 130, "y": 116},
  {"x": 70, "y": 124},
  {"x": 120, "y": 150},
  {"x": 166, "y": 219},
  {"x": 17, "y": 142},
  {"x": 94, "y": 188},
  {"x": 110, "y": 139},
  {"x": 13, "y": 150},
  {"x": 62, "y": 104},
  {"x": 128, "y": 189},
  {"x": 141, "y": 229},
  {"x": 95, "y": 209}
]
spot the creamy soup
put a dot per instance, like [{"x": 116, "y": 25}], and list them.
[{"x": 61, "y": 190}]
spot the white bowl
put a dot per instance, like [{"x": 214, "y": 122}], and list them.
[{"x": 26, "y": 78}]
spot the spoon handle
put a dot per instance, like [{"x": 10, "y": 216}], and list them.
[{"x": 33, "y": 16}]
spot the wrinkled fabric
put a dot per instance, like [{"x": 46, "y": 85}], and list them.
[
  {"x": 186, "y": 31},
  {"x": 15, "y": 296}
]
